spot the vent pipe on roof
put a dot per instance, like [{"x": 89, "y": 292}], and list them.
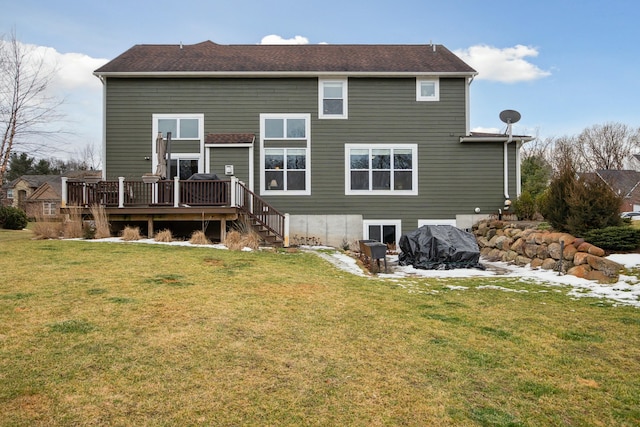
[{"x": 180, "y": 45}]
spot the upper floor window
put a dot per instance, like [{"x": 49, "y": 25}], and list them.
[
  {"x": 181, "y": 126},
  {"x": 10, "y": 193},
  {"x": 381, "y": 169},
  {"x": 427, "y": 90},
  {"x": 332, "y": 99},
  {"x": 285, "y": 128}
]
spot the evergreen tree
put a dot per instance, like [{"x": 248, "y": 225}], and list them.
[{"x": 536, "y": 173}]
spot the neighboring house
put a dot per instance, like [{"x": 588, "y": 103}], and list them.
[
  {"x": 21, "y": 189},
  {"x": 40, "y": 195},
  {"x": 625, "y": 183},
  {"x": 632, "y": 162},
  {"x": 351, "y": 141}
]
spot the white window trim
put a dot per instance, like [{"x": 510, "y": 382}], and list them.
[
  {"x": 367, "y": 222},
  {"x": 390, "y": 192},
  {"x": 173, "y": 154},
  {"x": 345, "y": 99},
  {"x": 422, "y": 222},
  {"x": 49, "y": 208},
  {"x": 419, "y": 96},
  {"x": 282, "y": 143}
]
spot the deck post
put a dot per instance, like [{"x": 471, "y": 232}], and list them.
[
  {"x": 150, "y": 227},
  {"x": 285, "y": 236},
  {"x": 121, "y": 191},
  {"x": 223, "y": 230},
  {"x": 176, "y": 191},
  {"x": 234, "y": 190},
  {"x": 65, "y": 192}
]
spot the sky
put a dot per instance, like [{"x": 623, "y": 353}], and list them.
[{"x": 565, "y": 65}]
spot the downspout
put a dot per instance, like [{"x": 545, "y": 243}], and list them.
[
  {"x": 104, "y": 126},
  {"x": 506, "y": 162},
  {"x": 518, "y": 170}
]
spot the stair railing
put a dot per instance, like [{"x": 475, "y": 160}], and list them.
[{"x": 261, "y": 213}]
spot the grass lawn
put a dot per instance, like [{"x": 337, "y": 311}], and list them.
[{"x": 127, "y": 334}]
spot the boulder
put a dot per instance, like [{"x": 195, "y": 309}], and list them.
[
  {"x": 536, "y": 263},
  {"x": 607, "y": 267},
  {"x": 549, "y": 264},
  {"x": 542, "y": 251},
  {"x": 581, "y": 271},
  {"x": 569, "y": 252},
  {"x": 555, "y": 251},
  {"x": 581, "y": 258}
]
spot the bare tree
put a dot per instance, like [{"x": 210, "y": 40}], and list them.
[
  {"x": 90, "y": 156},
  {"x": 25, "y": 105},
  {"x": 606, "y": 146}
]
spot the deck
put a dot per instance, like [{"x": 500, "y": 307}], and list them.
[{"x": 178, "y": 200}]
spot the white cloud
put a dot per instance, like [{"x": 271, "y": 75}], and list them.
[
  {"x": 507, "y": 65},
  {"x": 276, "y": 39},
  {"x": 485, "y": 130}
]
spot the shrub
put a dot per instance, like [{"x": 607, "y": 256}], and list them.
[
  {"x": 199, "y": 238},
  {"x": 164, "y": 236},
  {"x": 131, "y": 233},
  {"x": 72, "y": 226},
  {"x": 525, "y": 206},
  {"x": 577, "y": 205},
  {"x": 101, "y": 222},
  {"x": 615, "y": 238},
  {"x": 233, "y": 240},
  {"x": 13, "y": 218},
  {"x": 44, "y": 228}
]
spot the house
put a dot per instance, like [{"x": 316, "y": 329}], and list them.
[
  {"x": 20, "y": 191},
  {"x": 625, "y": 183},
  {"x": 40, "y": 195},
  {"x": 347, "y": 141}
]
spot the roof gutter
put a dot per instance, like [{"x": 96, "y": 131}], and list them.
[{"x": 197, "y": 74}]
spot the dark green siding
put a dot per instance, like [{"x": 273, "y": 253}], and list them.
[
  {"x": 236, "y": 156},
  {"x": 454, "y": 177}
]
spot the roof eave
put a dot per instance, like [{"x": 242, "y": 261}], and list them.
[
  {"x": 504, "y": 138},
  {"x": 197, "y": 74}
]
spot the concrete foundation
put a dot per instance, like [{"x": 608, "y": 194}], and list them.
[{"x": 331, "y": 230}]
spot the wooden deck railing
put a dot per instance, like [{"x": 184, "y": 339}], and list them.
[
  {"x": 178, "y": 193},
  {"x": 123, "y": 193}
]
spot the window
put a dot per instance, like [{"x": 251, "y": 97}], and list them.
[
  {"x": 49, "y": 208},
  {"x": 284, "y": 154},
  {"x": 187, "y": 153},
  {"x": 285, "y": 168},
  {"x": 332, "y": 99},
  {"x": 10, "y": 193},
  {"x": 384, "y": 231},
  {"x": 187, "y": 167},
  {"x": 381, "y": 169},
  {"x": 181, "y": 126},
  {"x": 427, "y": 90}
]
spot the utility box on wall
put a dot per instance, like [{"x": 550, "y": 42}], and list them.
[{"x": 228, "y": 170}]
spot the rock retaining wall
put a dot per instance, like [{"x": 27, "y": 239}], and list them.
[{"x": 522, "y": 244}]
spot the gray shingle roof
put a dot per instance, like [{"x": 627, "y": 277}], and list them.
[{"x": 209, "y": 57}]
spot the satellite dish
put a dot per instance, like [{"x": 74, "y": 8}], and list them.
[{"x": 510, "y": 116}]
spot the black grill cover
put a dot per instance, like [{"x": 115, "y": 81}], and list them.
[
  {"x": 439, "y": 247},
  {"x": 203, "y": 177}
]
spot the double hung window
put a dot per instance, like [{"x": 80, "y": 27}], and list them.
[
  {"x": 381, "y": 169},
  {"x": 332, "y": 99}
]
